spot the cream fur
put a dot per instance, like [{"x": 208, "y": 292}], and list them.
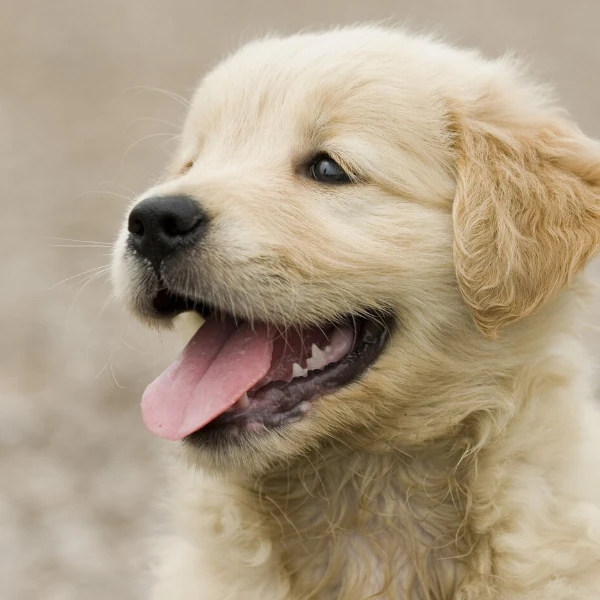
[{"x": 460, "y": 467}]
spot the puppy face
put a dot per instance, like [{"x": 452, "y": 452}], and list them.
[{"x": 308, "y": 218}]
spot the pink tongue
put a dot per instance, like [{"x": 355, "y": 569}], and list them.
[{"x": 219, "y": 364}]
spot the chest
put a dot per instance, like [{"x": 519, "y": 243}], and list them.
[{"x": 383, "y": 559}]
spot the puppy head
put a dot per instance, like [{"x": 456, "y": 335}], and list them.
[{"x": 374, "y": 194}]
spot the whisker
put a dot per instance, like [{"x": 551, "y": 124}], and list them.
[
  {"x": 106, "y": 269},
  {"x": 112, "y": 372},
  {"x": 128, "y": 345},
  {"x": 146, "y": 137},
  {"x": 105, "y": 192},
  {"x": 58, "y": 239},
  {"x": 75, "y": 276},
  {"x": 119, "y": 185},
  {"x": 148, "y": 88},
  {"x": 153, "y": 119},
  {"x": 103, "y": 247},
  {"x": 102, "y": 369},
  {"x": 101, "y": 311},
  {"x": 92, "y": 278}
]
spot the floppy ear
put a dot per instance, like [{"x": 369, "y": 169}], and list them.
[{"x": 526, "y": 213}]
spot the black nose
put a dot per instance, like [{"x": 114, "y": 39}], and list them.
[{"x": 158, "y": 226}]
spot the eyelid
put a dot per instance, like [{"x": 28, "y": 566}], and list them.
[
  {"x": 342, "y": 162},
  {"x": 186, "y": 167}
]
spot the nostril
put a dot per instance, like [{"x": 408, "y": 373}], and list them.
[
  {"x": 170, "y": 226},
  {"x": 135, "y": 226},
  {"x": 178, "y": 225}
]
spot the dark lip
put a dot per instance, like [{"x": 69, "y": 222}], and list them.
[{"x": 168, "y": 304}]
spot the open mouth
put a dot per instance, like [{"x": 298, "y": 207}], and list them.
[{"x": 238, "y": 376}]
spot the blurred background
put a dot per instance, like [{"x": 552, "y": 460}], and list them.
[{"x": 91, "y": 98}]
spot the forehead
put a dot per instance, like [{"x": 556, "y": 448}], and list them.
[
  {"x": 361, "y": 93},
  {"x": 320, "y": 84}
]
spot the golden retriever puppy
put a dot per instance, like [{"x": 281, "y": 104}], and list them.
[{"x": 388, "y": 397}]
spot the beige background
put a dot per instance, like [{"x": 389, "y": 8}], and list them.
[{"x": 79, "y": 475}]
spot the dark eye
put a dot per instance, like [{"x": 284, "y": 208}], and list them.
[{"x": 326, "y": 170}]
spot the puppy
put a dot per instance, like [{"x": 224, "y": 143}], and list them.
[{"x": 388, "y": 397}]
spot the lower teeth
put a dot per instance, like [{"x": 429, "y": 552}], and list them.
[
  {"x": 298, "y": 371},
  {"x": 316, "y": 362}
]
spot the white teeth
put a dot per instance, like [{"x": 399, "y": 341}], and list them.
[
  {"x": 318, "y": 353},
  {"x": 298, "y": 371},
  {"x": 244, "y": 402},
  {"x": 317, "y": 360}
]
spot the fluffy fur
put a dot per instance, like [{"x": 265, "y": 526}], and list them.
[{"x": 465, "y": 464}]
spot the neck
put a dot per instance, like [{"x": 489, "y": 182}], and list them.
[{"x": 387, "y": 523}]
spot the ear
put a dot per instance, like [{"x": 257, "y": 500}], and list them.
[{"x": 526, "y": 213}]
